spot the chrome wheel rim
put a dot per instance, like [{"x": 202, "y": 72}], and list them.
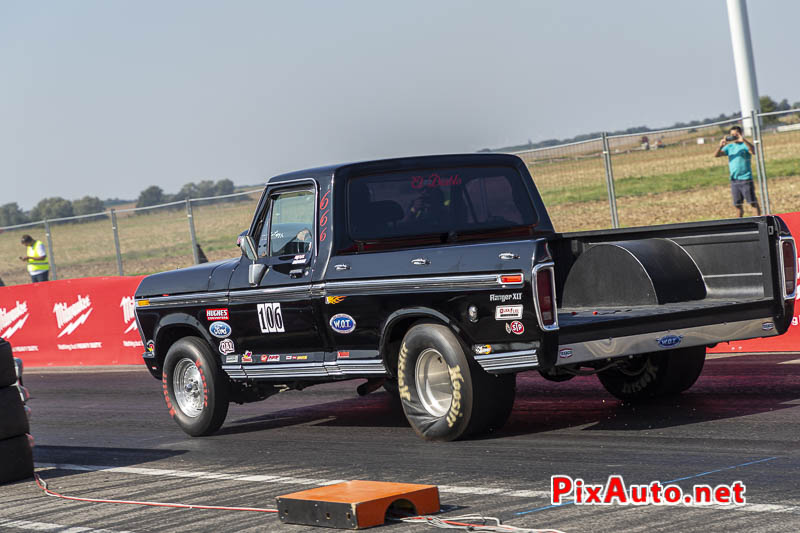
[
  {"x": 433, "y": 382},
  {"x": 187, "y": 384}
]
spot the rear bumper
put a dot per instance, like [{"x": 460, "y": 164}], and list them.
[{"x": 602, "y": 349}]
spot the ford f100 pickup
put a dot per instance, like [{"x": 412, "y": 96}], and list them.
[{"x": 440, "y": 278}]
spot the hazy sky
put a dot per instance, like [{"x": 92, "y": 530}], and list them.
[{"x": 107, "y": 97}]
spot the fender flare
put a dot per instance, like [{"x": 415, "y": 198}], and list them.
[
  {"x": 405, "y": 314},
  {"x": 172, "y": 321}
]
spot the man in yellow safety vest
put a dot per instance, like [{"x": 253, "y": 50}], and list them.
[{"x": 38, "y": 266}]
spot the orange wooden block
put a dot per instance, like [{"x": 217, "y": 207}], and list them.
[{"x": 356, "y": 504}]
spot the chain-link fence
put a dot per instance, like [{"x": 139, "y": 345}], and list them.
[
  {"x": 639, "y": 179},
  {"x": 665, "y": 176},
  {"x": 132, "y": 240}
]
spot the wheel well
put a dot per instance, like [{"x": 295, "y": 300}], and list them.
[
  {"x": 169, "y": 336},
  {"x": 390, "y": 347}
]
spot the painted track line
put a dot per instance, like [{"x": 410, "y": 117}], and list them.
[
  {"x": 46, "y": 526},
  {"x": 288, "y": 480}
]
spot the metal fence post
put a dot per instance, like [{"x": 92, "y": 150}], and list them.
[
  {"x": 760, "y": 164},
  {"x": 189, "y": 215},
  {"x": 116, "y": 242},
  {"x": 50, "y": 258},
  {"x": 612, "y": 196}
]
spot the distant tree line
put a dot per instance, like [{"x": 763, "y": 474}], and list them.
[
  {"x": 155, "y": 195},
  {"x": 57, "y": 207},
  {"x": 768, "y": 105}
]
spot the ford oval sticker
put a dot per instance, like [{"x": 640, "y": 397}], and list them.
[
  {"x": 220, "y": 329},
  {"x": 669, "y": 341},
  {"x": 342, "y": 323}
]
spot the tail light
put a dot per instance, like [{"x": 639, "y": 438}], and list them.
[
  {"x": 544, "y": 296},
  {"x": 789, "y": 265}
]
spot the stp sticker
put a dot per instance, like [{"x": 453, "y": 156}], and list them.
[
  {"x": 270, "y": 318},
  {"x": 515, "y": 327},
  {"x": 342, "y": 323},
  {"x": 504, "y": 312},
  {"x": 226, "y": 347},
  {"x": 220, "y": 329},
  {"x": 247, "y": 357},
  {"x": 217, "y": 314}
]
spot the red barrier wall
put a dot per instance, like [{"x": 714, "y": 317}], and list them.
[
  {"x": 87, "y": 321},
  {"x": 789, "y": 341}
]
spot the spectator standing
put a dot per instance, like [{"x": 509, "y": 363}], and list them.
[
  {"x": 36, "y": 258},
  {"x": 739, "y": 151}
]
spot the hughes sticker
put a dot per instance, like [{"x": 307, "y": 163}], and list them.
[{"x": 217, "y": 314}]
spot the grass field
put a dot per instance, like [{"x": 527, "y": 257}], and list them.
[{"x": 681, "y": 182}]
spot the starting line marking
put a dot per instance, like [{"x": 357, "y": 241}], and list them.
[
  {"x": 59, "y": 528},
  {"x": 160, "y": 472},
  {"x": 792, "y": 362}
]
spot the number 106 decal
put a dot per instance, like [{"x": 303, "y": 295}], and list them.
[{"x": 270, "y": 318}]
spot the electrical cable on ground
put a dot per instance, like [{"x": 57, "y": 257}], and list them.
[
  {"x": 43, "y": 485},
  {"x": 455, "y": 522}
]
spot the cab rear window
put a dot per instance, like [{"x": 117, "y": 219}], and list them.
[{"x": 454, "y": 202}]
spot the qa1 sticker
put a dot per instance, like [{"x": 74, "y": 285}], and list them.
[
  {"x": 342, "y": 323},
  {"x": 226, "y": 347},
  {"x": 220, "y": 329},
  {"x": 515, "y": 327}
]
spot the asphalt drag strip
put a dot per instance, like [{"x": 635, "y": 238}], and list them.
[{"x": 107, "y": 435}]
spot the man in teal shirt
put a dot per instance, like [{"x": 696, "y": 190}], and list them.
[{"x": 739, "y": 151}]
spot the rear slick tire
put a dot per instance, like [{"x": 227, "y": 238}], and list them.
[
  {"x": 195, "y": 387},
  {"x": 655, "y": 374},
  {"x": 444, "y": 395}
]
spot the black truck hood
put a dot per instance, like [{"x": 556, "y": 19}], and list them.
[{"x": 184, "y": 280}]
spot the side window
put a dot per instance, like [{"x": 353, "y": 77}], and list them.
[{"x": 290, "y": 228}]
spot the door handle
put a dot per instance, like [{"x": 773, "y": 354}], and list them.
[
  {"x": 421, "y": 261},
  {"x": 296, "y": 273},
  {"x": 506, "y": 256},
  {"x": 341, "y": 267}
]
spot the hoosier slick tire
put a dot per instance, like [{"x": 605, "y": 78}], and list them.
[
  {"x": 8, "y": 374},
  {"x": 17, "y": 459},
  {"x": 195, "y": 387},
  {"x": 13, "y": 421},
  {"x": 653, "y": 375},
  {"x": 445, "y": 396}
]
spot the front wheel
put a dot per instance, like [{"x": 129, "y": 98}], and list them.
[{"x": 195, "y": 388}]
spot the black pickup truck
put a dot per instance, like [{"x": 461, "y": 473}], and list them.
[{"x": 440, "y": 278}]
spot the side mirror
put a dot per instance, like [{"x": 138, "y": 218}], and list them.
[{"x": 248, "y": 247}]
